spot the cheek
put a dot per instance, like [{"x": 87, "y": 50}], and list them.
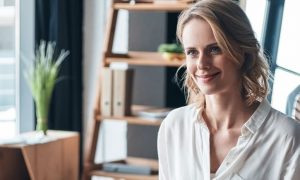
[
  {"x": 191, "y": 67},
  {"x": 232, "y": 72}
]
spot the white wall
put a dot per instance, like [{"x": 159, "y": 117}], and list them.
[
  {"x": 92, "y": 44},
  {"x": 112, "y": 134}
]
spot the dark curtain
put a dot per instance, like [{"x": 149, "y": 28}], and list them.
[{"x": 61, "y": 21}]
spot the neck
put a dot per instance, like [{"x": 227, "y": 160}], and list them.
[{"x": 225, "y": 112}]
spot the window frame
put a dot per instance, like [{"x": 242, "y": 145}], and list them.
[
  {"x": 26, "y": 120},
  {"x": 271, "y": 34}
]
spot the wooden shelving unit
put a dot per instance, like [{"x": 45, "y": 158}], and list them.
[
  {"x": 131, "y": 120},
  {"x": 142, "y": 59},
  {"x": 130, "y": 160},
  {"x": 170, "y": 7},
  {"x": 131, "y": 58},
  {"x": 123, "y": 176}
]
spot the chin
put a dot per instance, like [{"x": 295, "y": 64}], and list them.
[{"x": 207, "y": 91}]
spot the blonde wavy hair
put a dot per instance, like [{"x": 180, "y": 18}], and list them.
[{"x": 235, "y": 36}]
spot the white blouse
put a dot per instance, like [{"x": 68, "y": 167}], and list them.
[{"x": 268, "y": 148}]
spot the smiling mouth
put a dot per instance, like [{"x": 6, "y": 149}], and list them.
[{"x": 207, "y": 78}]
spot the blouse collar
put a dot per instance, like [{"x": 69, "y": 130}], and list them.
[
  {"x": 252, "y": 124},
  {"x": 258, "y": 117}
]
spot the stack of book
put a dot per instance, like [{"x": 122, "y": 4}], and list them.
[
  {"x": 151, "y": 113},
  {"x": 129, "y": 169}
]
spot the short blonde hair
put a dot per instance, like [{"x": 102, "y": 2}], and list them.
[{"x": 234, "y": 35}]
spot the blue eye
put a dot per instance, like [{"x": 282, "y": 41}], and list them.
[
  {"x": 214, "y": 50},
  {"x": 191, "y": 52}
]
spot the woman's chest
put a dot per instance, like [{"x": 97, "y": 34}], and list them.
[{"x": 220, "y": 145}]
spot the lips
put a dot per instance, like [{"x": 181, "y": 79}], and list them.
[{"x": 207, "y": 77}]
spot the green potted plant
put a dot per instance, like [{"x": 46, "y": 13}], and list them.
[
  {"x": 41, "y": 78},
  {"x": 171, "y": 52}
]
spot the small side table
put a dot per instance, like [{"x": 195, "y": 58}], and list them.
[{"x": 56, "y": 159}]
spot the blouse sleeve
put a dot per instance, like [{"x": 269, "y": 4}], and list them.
[
  {"x": 162, "y": 153},
  {"x": 292, "y": 167}
]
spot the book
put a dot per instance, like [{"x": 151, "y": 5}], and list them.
[
  {"x": 122, "y": 91},
  {"x": 126, "y": 168},
  {"x": 106, "y": 92},
  {"x": 152, "y": 113}
]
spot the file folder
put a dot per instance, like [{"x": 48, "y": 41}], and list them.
[
  {"x": 106, "y": 92},
  {"x": 122, "y": 91}
]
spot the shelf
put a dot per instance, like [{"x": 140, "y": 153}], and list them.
[
  {"x": 123, "y": 176},
  {"x": 131, "y": 120},
  {"x": 134, "y": 119},
  {"x": 143, "y": 58},
  {"x": 130, "y": 161},
  {"x": 175, "y": 7}
]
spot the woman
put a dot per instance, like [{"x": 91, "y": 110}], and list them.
[{"x": 229, "y": 131}]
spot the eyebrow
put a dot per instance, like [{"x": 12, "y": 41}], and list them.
[
  {"x": 212, "y": 44},
  {"x": 207, "y": 46}
]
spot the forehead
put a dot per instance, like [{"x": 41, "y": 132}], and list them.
[{"x": 197, "y": 32}]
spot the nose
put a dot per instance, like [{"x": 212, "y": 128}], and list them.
[{"x": 203, "y": 62}]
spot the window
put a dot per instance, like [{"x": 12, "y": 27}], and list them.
[
  {"x": 255, "y": 10},
  {"x": 287, "y": 68},
  {"x": 8, "y": 68},
  {"x": 16, "y": 37}
]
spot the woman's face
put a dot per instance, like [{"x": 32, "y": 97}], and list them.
[{"x": 212, "y": 71}]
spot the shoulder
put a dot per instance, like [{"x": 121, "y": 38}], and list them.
[
  {"x": 180, "y": 120},
  {"x": 188, "y": 109},
  {"x": 286, "y": 126},
  {"x": 182, "y": 115}
]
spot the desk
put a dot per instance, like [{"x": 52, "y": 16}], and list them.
[{"x": 57, "y": 159}]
